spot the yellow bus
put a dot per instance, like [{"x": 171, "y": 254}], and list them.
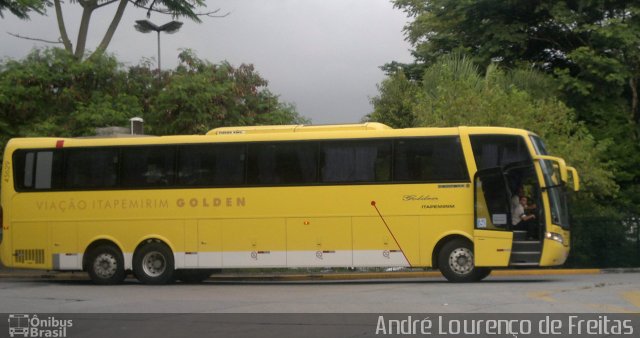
[{"x": 363, "y": 195}]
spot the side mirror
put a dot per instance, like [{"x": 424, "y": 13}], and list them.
[
  {"x": 562, "y": 166},
  {"x": 576, "y": 179}
]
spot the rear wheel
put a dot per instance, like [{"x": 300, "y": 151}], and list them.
[
  {"x": 456, "y": 262},
  {"x": 106, "y": 265},
  {"x": 153, "y": 263}
]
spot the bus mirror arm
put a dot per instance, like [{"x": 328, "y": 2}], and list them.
[
  {"x": 561, "y": 163},
  {"x": 575, "y": 177}
]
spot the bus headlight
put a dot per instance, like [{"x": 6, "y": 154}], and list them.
[{"x": 554, "y": 237}]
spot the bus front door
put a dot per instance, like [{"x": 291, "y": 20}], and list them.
[{"x": 491, "y": 236}]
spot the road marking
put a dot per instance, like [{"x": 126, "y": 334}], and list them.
[
  {"x": 632, "y": 297},
  {"x": 546, "y": 272},
  {"x": 542, "y": 295},
  {"x": 608, "y": 308}
]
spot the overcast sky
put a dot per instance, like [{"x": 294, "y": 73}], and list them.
[{"x": 321, "y": 55}]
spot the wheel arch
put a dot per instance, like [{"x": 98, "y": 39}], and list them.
[
  {"x": 97, "y": 242},
  {"x": 444, "y": 240},
  {"x": 152, "y": 239}
]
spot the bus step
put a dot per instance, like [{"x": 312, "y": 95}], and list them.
[
  {"x": 525, "y": 257},
  {"x": 519, "y": 246},
  {"x": 519, "y": 235}
]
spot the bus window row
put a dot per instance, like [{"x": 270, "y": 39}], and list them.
[{"x": 428, "y": 159}]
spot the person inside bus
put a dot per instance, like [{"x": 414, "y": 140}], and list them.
[
  {"x": 529, "y": 208},
  {"x": 515, "y": 198},
  {"x": 522, "y": 221}
]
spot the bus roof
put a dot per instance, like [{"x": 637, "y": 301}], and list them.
[
  {"x": 263, "y": 133},
  {"x": 297, "y": 128}
]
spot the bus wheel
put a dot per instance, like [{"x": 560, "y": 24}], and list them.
[
  {"x": 106, "y": 265},
  {"x": 192, "y": 276},
  {"x": 153, "y": 264},
  {"x": 482, "y": 273},
  {"x": 455, "y": 261}
]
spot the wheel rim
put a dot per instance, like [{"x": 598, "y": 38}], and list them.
[
  {"x": 154, "y": 264},
  {"x": 105, "y": 265},
  {"x": 461, "y": 261}
]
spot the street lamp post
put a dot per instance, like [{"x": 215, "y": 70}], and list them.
[{"x": 146, "y": 26}]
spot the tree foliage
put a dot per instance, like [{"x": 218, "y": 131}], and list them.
[
  {"x": 394, "y": 106},
  {"x": 453, "y": 92},
  {"x": 201, "y": 95},
  {"x": 21, "y": 8},
  {"x": 589, "y": 46},
  {"x": 175, "y": 8},
  {"x": 50, "y": 94}
]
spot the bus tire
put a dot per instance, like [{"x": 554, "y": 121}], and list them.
[
  {"x": 193, "y": 276},
  {"x": 106, "y": 265},
  {"x": 455, "y": 261},
  {"x": 482, "y": 273},
  {"x": 153, "y": 264}
]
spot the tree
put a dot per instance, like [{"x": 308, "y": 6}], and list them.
[
  {"x": 200, "y": 96},
  {"x": 452, "y": 92},
  {"x": 49, "y": 93},
  {"x": 21, "y": 8},
  {"x": 590, "y": 46},
  {"x": 175, "y": 8},
  {"x": 394, "y": 106}
]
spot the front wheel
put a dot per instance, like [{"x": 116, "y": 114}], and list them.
[
  {"x": 153, "y": 264},
  {"x": 456, "y": 262},
  {"x": 482, "y": 273}
]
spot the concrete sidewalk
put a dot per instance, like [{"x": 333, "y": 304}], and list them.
[{"x": 297, "y": 276}]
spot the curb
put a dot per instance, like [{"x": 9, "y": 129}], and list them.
[{"x": 52, "y": 275}]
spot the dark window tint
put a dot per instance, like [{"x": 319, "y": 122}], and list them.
[
  {"x": 207, "y": 165},
  {"x": 38, "y": 170},
  {"x": 492, "y": 151},
  {"x": 435, "y": 159},
  {"x": 355, "y": 161},
  {"x": 147, "y": 166},
  {"x": 282, "y": 163},
  {"x": 91, "y": 168}
]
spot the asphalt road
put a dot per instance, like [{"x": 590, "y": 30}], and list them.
[{"x": 584, "y": 293}]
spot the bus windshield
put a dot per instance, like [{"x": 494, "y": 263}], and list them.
[{"x": 554, "y": 186}]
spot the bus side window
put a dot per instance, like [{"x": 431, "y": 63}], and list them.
[
  {"x": 356, "y": 161},
  {"x": 29, "y": 162},
  {"x": 148, "y": 166},
  {"x": 38, "y": 170},
  {"x": 282, "y": 163},
  {"x": 211, "y": 165},
  {"x": 44, "y": 168},
  {"x": 94, "y": 168},
  {"x": 492, "y": 151},
  {"x": 430, "y": 159}
]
